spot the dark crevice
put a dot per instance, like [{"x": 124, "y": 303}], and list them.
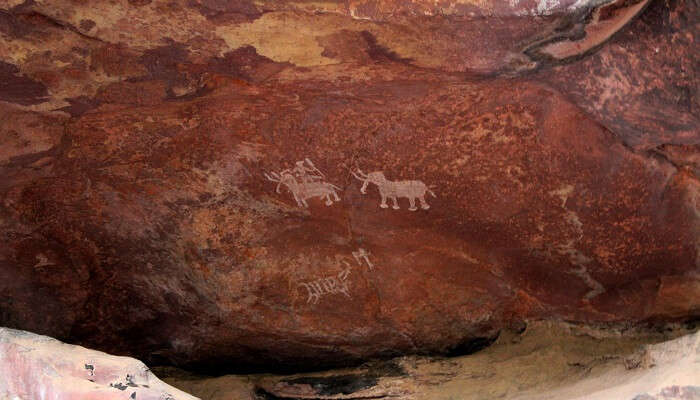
[
  {"x": 260, "y": 362},
  {"x": 256, "y": 362},
  {"x": 573, "y": 28},
  {"x": 337, "y": 384},
  {"x": 659, "y": 154},
  {"x": 472, "y": 346},
  {"x": 262, "y": 394}
]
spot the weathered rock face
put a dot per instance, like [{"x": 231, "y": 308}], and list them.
[
  {"x": 643, "y": 84},
  {"x": 292, "y": 182},
  {"x": 555, "y": 361},
  {"x": 546, "y": 361},
  {"x": 41, "y": 368}
]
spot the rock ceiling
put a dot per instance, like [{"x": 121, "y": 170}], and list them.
[{"x": 274, "y": 182}]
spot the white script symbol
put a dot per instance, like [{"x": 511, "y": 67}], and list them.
[
  {"x": 361, "y": 254},
  {"x": 328, "y": 285}
]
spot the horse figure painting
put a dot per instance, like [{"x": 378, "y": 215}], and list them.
[{"x": 305, "y": 182}]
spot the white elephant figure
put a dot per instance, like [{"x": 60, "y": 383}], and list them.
[{"x": 411, "y": 190}]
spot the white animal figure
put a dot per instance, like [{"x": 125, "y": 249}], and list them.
[
  {"x": 306, "y": 186},
  {"x": 411, "y": 190}
]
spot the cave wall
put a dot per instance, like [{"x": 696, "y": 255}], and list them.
[{"x": 182, "y": 181}]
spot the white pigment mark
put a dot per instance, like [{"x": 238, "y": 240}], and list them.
[
  {"x": 362, "y": 254},
  {"x": 412, "y": 190},
  {"x": 576, "y": 257},
  {"x": 305, "y": 181},
  {"x": 333, "y": 284}
]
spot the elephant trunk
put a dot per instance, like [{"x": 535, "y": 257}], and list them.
[{"x": 359, "y": 175}]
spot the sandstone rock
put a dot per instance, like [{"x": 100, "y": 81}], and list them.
[
  {"x": 34, "y": 367},
  {"x": 145, "y": 208},
  {"x": 547, "y": 361},
  {"x": 643, "y": 84}
]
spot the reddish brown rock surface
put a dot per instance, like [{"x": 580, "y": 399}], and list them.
[{"x": 139, "y": 143}]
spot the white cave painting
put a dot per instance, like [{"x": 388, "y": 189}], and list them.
[
  {"x": 334, "y": 284},
  {"x": 412, "y": 190},
  {"x": 362, "y": 254},
  {"x": 304, "y": 181},
  {"x": 337, "y": 284}
]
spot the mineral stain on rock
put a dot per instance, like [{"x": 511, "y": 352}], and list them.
[
  {"x": 19, "y": 89},
  {"x": 80, "y": 105},
  {"x": 226, "y": 10},
  {"x": 11, "y": 26},
  {"x": 380, "y": 53},
  {"x": 87, "y": 24}
]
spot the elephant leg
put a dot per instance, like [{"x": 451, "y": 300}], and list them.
[
  {"x": 412, "y": 201},
  {"x": 363, "y": 189},
  {"x": 298, "y": 200},
  {"x": 303, "y": 201},
  {"x": 328, "y": 200},
  {"x": 335, "y": 195},
  {"x": 383, "y": 204},
  {"x": 423, "y": 204},
  {"x": 396, "y": 203}
]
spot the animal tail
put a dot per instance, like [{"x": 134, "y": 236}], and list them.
[{"x": 431, "y": 192}]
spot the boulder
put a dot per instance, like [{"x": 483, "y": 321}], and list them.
[
  {"x": 34, "y": 367},
  {"x": 545, "y": 361}
]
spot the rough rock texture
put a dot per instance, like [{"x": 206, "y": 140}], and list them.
[
  {"x": 554, "y": 174},
  {"x": 643, "y": 85},
  {"x": 545, "y": 362},
  {"x": 34, "y": 367}
]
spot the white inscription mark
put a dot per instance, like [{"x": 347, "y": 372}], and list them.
[
  {"x": 329, "y": 285},
  {"x": 361, "y": 254}
]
